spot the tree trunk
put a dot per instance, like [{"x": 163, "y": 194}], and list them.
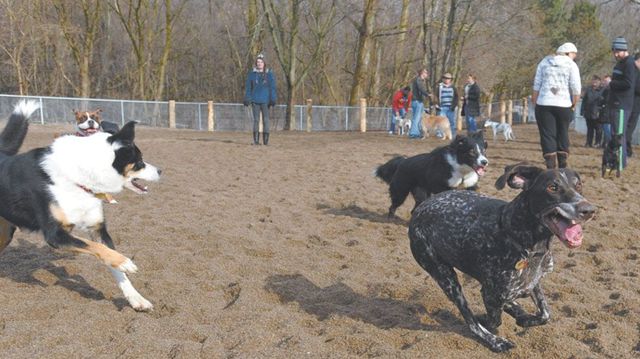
[{"x": 363, "y": 54}]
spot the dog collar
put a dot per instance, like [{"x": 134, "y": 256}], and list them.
[{"x": 106, "y": 197}]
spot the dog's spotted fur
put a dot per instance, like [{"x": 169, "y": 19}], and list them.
[{"x": 503, "y": 245}]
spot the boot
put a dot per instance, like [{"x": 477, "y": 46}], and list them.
[
  {"x": 562, "y": 159},
  {"x": 265, "y": 138},
  {"x": 256, "y": 138},
  {"x": 550, "y": 160}
]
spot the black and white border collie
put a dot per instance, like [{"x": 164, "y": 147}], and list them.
[
  {"x": 461, "y": 163},
  {"x": 56, "y": 189}
]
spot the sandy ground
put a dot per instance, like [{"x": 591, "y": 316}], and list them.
[{"x": 285, "y": 252}]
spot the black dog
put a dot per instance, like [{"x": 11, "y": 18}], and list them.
[
  {"x": 611, "y": 156},
  {"x": 503, "y": 245},
  {"x": 460, "y": 163}
]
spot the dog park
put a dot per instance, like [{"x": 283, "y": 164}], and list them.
[{"x": 286, "y": 251}]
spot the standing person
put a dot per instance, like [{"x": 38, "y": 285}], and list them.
[
  {"x": 420, "y": 94},
  {"x": 635, "y": 112},
  {"x": 621, "y": 91},
  {"x": 399, "y": 106},
  {"x": 471, "y": 103},
  {"x": 448, "y": 101},
  {"x": 556, "y": 90},
  {"x": 590, "y": 110},
  {"x": 260, "y": 93},
  {"x": 605, "y": 123}
]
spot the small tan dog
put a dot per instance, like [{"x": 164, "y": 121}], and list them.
[{"x": 432, "y": 122}]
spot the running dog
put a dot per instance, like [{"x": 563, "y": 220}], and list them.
[
  {"x": 57, "y": 189},
  {"x": 498, "y": 128},
  {"x": 433, "y": 122},
  {"x": 503, "y": 245},
  {"x": 611, "y": 156},
  {"x": 458, "y": 164}
]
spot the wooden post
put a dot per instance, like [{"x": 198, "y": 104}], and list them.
[
  {"x": 503, "y": 111},
  {"x": 525, "y": 110},
  {"x": 363, "y": 115},
  {"x": 459, "y": 116},
  {"x": 172, "y": 114},
  {"x": 210, "y": 116},
  {"x": 309, "y": 113},
  {"x": 489, "y": 109},
  {"x": 510, "y": 112}
]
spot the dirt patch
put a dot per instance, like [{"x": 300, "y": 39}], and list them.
[{"x": 285, "y": 251}]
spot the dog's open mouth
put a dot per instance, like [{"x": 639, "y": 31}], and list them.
[
  {"x": 567, "y": 230},
  {"x": 480, "y": 170},
  {"x": 136, "y": 186}
]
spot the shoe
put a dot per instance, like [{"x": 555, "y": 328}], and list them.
[{"x": 391, "y": 132}]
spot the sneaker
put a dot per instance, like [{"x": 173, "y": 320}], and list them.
[{"x": 391, "y": 132}]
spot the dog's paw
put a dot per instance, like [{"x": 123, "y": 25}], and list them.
[
  {"x": 127, "y": 267},
  {"x": 139, "y": 303},
  {"x": 500, "y": 345}
]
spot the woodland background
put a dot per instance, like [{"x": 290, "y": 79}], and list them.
[{"x": 331, "y": 51}]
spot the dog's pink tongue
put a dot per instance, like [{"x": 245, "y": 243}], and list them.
[
  {"x": 480, "y": 171},
  {"x": 573, "y": 234}
]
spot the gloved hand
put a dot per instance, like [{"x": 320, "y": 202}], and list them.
[
  {"x": 271, "y": 104},
  {"x": 246, "y": 103}
]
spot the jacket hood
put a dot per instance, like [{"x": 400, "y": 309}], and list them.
[{"x": 558, "y": 60}]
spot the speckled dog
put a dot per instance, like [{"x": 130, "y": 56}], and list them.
[{"x": 503, "y": 245}]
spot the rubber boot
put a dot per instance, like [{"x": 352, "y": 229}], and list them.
[
  {"x": 562, "y": 159},
  {"x": 256, "y": 138},
  {"x": 265, "y": 138},
  {"x": 550, "y": 160}
]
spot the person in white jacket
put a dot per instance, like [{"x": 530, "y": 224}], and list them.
[{"x": 556, "y": 90}]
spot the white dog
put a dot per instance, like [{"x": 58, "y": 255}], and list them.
[
  {"x": 403, "y": 125},
  {"x": 503, "y": 128}
]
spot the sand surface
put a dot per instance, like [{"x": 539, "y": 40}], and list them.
[{"x": 285, "y": 252}]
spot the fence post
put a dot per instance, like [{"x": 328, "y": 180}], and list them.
[
  {"x": 459, "y": 116},
  {"x": 525, "y": 110},
  {"x": 363, "y": 115},
  {"x": 172, "y": 114},
  {"x": 489, "y": 110},
  {"x": 211, "y": 120},
  {"x": 309, "y": 113},
  {"x": 503, "y": 111},
  {"x": 510, "y": 112}
]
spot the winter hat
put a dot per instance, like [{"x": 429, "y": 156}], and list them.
[
  {"x": 566, "y": 48},
  {"x": 447, "y": 76},
  {"x": 619, "y": 43}
]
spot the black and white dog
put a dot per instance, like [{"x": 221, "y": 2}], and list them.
[
  {"x": 611, "y": 156},
  {"x": 56, "y": 189},
  {"x": 503, "y": 245},
  {"x": 458, "y": 164}
]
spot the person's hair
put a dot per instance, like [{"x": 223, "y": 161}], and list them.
[
  {"x": 260, "y": 57},
  {"x": 595, "y": 77},
  {"x": 421, "y": 70},
  {"x": 406, "y": 89},
  {"x": 472, "y": 76},
  {"x": 606, "y": 76}
]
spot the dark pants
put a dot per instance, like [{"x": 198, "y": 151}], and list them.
[
  {"x": 631, "y": 127},
  {"x": 615, "y": 117},
  {"x": 553, "y": 125},
  {"x": 593, "y": 129},
  {"x": 256, "y": 109}
]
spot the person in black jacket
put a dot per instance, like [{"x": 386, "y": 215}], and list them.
[
  {"x": 590, "y": 110},
  {"x": 471, "y": 103},
  {"x": 621, "y": 91},
  {"x": 635, "y": 112}
]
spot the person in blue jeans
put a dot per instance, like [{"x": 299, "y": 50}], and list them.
[
  {"x": 420, "y": 94},
  {"x": 471, "y": 103},
  {"x": 448, "y": 101}
]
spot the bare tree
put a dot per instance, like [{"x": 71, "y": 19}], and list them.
[{"x": 363, "y": 54}]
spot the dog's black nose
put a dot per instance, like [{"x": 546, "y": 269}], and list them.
[
  {"x": 484, "y": 162},
  {"x": 159, "y": 172},
  {"x": 586, "y": 210},
  {"x": 92, "y": 123}
]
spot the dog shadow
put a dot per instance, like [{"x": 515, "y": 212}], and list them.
[
  {"x": 356, "y": 211},
  {"x": 20, "y": 263},
  {"x": 339, "y": 299}
]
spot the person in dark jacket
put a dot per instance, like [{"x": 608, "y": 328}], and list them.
[
  {"x": 621, "y": 90},
  {"x": 635, "y": 112},
  {"x": 420, "y": 94},
  {"x": 590, "y": 110},
  {"x": 471, "y": 103},
  {"x": 260, "y": 93},
  {"x": 603, "y": 120}
]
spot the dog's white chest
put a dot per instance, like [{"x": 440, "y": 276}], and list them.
[
  {"x": 79, "y": 207},
  {"x": 462, "y": 175}
]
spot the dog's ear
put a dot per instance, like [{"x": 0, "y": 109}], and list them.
[
  {"x": 126, "y": 134},
  {"x": 518, "y": 176}
]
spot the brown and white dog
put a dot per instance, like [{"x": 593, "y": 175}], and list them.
[
  {"x": 87, "y": 122},
  {"x": 431, "y": 122}
]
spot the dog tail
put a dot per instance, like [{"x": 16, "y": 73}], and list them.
[
  {"x": 387, "y": 170},
  {"x": 15, "y": 131}
]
